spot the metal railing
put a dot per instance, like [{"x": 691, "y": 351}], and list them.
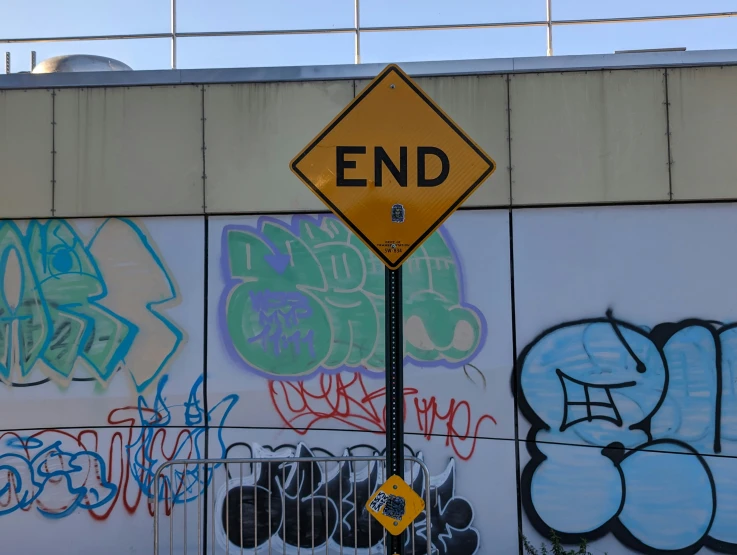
[
  {"x": 357, "y": 29},
  {"x": 310, "y": 505}
]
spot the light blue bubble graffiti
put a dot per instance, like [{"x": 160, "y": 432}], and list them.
[{"x": 636, "y": 429}]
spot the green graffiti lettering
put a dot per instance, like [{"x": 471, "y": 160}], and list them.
[{"x": 309, "y": 296}]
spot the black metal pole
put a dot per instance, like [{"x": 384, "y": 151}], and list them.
[{"x": 394, "y": 345}]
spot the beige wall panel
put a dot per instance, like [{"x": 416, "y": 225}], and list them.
[
  {"x": 129, "y": 151},
  {"x": 703, "y": 124},
  {"x": 25, "y": 153},
  {"x": 253, "y": 131},
  {"x": 589, "y": 137},
  {"x": 478, "y": 104}
]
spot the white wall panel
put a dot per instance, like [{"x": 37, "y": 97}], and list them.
[
  {"x": 458, "y": 341},
  {"x": 630, "y": 415}
]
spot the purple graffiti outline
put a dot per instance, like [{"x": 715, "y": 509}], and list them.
[{"x": 293, "y": 226}]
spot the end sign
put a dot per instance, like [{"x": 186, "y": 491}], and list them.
[{"x": 393, "y": 166}]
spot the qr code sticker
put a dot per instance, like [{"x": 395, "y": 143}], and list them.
[
  {"x": 394, "y": 507},
  {"x": 379, "y": 501}
]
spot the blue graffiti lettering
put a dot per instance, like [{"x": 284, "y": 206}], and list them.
[
  {"x": 75, "y": 476},
  {"x": 630, "y": 426},
  {"x": 27, "y": 477}
]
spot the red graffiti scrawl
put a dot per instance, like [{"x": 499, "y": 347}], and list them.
[{"x": 338, "y": 399}]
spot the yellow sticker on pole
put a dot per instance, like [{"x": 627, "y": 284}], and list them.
[{"x": 395, "y": 505}]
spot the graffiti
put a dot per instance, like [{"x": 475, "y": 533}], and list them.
[
  {"x": 51, "y": 467},
  {"x": 308, "y": 296},
  {"x": 67, "y": 304},
  {"x": 659, "y": 408},
  {"x": 57, "y": 472},
  {"x": 347, "y": 400},
  {"x": 312, "y": 504}
]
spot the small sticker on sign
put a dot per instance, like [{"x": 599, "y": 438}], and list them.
[
  {"x": 398, "y": 214},
  {"x": 398, "y": 509},
  {"x": 392, "y": 506}
]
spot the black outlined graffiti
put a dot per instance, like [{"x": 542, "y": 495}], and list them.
[
  {"x": 300, "y": 490},
  {"x": 631, "y": 428}
]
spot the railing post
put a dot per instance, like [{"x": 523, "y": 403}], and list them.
[
  {"x": 357, "y": 26},
  {"x": 549, "y": 18},
  {"x": 7, "y": 62},
  {"x": 173, "y": 34}
]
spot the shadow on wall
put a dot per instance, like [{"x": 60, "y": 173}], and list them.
[{"x": 633, "y": 433}]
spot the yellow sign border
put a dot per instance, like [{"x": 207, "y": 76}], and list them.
[{"x": 388, "y": 70}]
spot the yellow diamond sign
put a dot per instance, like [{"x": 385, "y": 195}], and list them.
[
  {"x": 393, "y": 166},
  {"x": 395, "y": 505}
]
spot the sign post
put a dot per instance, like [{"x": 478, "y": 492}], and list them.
[
  {"x": 393, "y": 167},
  {"x": 394, "y": 383}
]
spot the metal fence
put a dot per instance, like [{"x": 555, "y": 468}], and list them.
[
  {"x": 309, "y": 505},
  {"x": 357, "y": 30}
]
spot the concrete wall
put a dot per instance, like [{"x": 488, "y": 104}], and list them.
[
  {"x": 567, "y": 367},
  {"x": 588, "y": 137}
]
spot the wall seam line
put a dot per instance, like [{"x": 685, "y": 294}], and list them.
[
  {"x": 488, "y": 208},
  {"x": 53, "y": 152},
  {"x": 515, "y": 389},
  {"x": 203, "y": 119},
  {"x": 509, "y": 137},
  {"x": 667, "y": 135},
  {"x": 205, "y": 404},
  {"x": 205, "y": 328}
]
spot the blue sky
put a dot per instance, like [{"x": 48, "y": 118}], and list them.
[{"x": 39, "y": 18}]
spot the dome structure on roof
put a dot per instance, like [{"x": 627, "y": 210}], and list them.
[{"x": 80, "y": 62}]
